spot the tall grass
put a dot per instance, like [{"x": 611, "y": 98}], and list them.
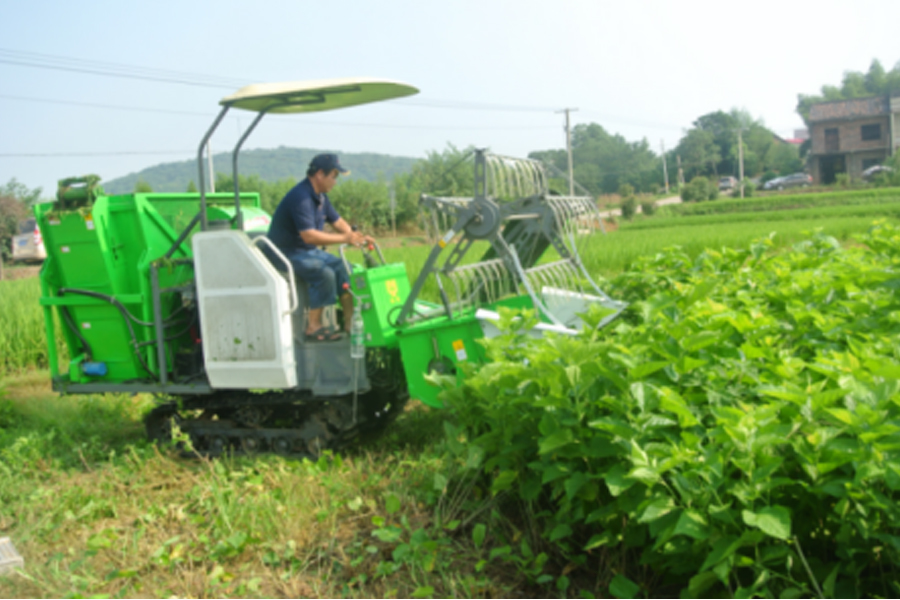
[
  {"x": 96, "y": 515},
  {"x": 22, "y": 338}
]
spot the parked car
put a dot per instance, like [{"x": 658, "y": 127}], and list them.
[
  {"x": 788, "y": 181},
  {"x": 28, "y": 244},
  {"x": 870, "y": 173},
  {"x": 727, "y": 183}
]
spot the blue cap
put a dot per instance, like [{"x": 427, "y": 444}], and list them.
[{"x": 327, "y": 163}]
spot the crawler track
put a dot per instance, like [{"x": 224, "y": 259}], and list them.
[{"x": 292, "y": 423}]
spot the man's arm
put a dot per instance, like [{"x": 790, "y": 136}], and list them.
[
  {"x": 359, "y": 239},
  {"x": 344, "y": 235}
]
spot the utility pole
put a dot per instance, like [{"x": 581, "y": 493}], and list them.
[
  {"x": 680, "y": 172},
  {"x": 662, "y": 145},
  {"x": 569, "y": 149},
  {"x": 741, "y": 160}
]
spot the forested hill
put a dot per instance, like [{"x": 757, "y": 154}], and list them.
[{"x": 269, "y": 165}]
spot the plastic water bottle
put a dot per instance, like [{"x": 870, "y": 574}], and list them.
[{"x": 357, "y": 335}]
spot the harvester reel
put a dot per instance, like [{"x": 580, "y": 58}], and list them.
[{"x": 486, "y": 222}]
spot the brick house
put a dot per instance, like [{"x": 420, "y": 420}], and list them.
[{"x": 849, "y": 136}]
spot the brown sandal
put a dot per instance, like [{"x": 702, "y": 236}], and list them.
[{"x": 324, "y": 334}]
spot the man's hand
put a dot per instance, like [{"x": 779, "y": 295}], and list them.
[{"x": 355, "y": 238}]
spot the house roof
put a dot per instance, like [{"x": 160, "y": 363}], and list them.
[{"x": 872, "y": 106}]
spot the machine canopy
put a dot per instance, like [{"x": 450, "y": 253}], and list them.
[{"x": 314, "y": 96}]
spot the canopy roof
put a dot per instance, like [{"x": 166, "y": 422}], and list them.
[{"x": 314, "y": 96}]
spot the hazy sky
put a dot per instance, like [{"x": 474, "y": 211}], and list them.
[{"x": 491, "y": 73}]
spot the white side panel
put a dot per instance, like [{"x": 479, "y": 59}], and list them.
[{"x": 245, "y": 321}]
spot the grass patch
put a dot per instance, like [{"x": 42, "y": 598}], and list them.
[
  {"x": 785, "y": 202},
  {"x": 96, "y": 511},
  {"x": 869, "y": 211},
  {"x": 610, "y": 254}
]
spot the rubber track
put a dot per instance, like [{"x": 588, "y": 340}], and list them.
[{"x": 291, "y": 424}]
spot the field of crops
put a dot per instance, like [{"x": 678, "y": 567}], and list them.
[
  {"x": 22, "y": 339},
  {"x": 734, "y": 434}
]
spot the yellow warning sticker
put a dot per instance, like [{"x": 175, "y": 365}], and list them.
[
  {"x": 460, "y": 348},
  {"x": 393, "y": 291}
]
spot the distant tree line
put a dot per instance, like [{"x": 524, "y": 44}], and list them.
[{"x": 269, "y": 164}]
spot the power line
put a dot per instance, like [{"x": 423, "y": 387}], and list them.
[
  {"x": 273, "y": 117},
  {"x": 429, "y": 127},
  {"x": 629, "y": 121},
  {"x": 460, "y": 105},
  {"x": 107, "y": 69},
  {"x": 93, "y": 154},
  {"x": 105, "y": 106}
]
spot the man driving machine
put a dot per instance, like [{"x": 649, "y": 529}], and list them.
[{"x": 298, "y": 230}]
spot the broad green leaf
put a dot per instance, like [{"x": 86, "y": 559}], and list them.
[
  {"x": 884, "y": 368},
  {"x": 391, "y": 504},
  {"x": 692, "y": 524},
  {"x": 700, "y": 291},
  {"x": 617, "y": 480},
  {"x": 614, "y": 426},
  {"x": 599, "y": 539},
  {"x": 644, "y": 369},
  {"x": 773, "y": 520},
  {"x": 701, "y": 582},
  {"x": 700, "y": 340},
  {"x": 656, "y": 509},
  {"x": 844, "y": 416},
  {"x": 574, "y": 484},
  {"x": 722, "y": 549},
  {"x": 478, "y": 533},
  {"x": 686, "y": 364},
  {"x": 555, "y": 441},
  {"x": 622, "y": 587},
  {"x": 783, "y": 392},
  {"x": 388, "y": 534},
  {"x": 503, "y": 481},
  {"x": 560, "y": 531},
  {"x": 645, "y": 475},
  {"x": 638, "y": 393},
  {"x": 552, "y": 472},
  {"x": 672, "y": 401}
]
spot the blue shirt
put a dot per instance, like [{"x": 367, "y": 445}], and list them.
[{"x": 300, "y": 209}]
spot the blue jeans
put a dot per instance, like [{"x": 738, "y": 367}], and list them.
[{"x": 324, "y": 273}]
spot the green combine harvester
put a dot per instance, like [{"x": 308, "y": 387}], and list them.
[{"x": 171, "y": 294}]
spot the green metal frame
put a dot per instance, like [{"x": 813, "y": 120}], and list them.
[{"x": 118, "y": 299}]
